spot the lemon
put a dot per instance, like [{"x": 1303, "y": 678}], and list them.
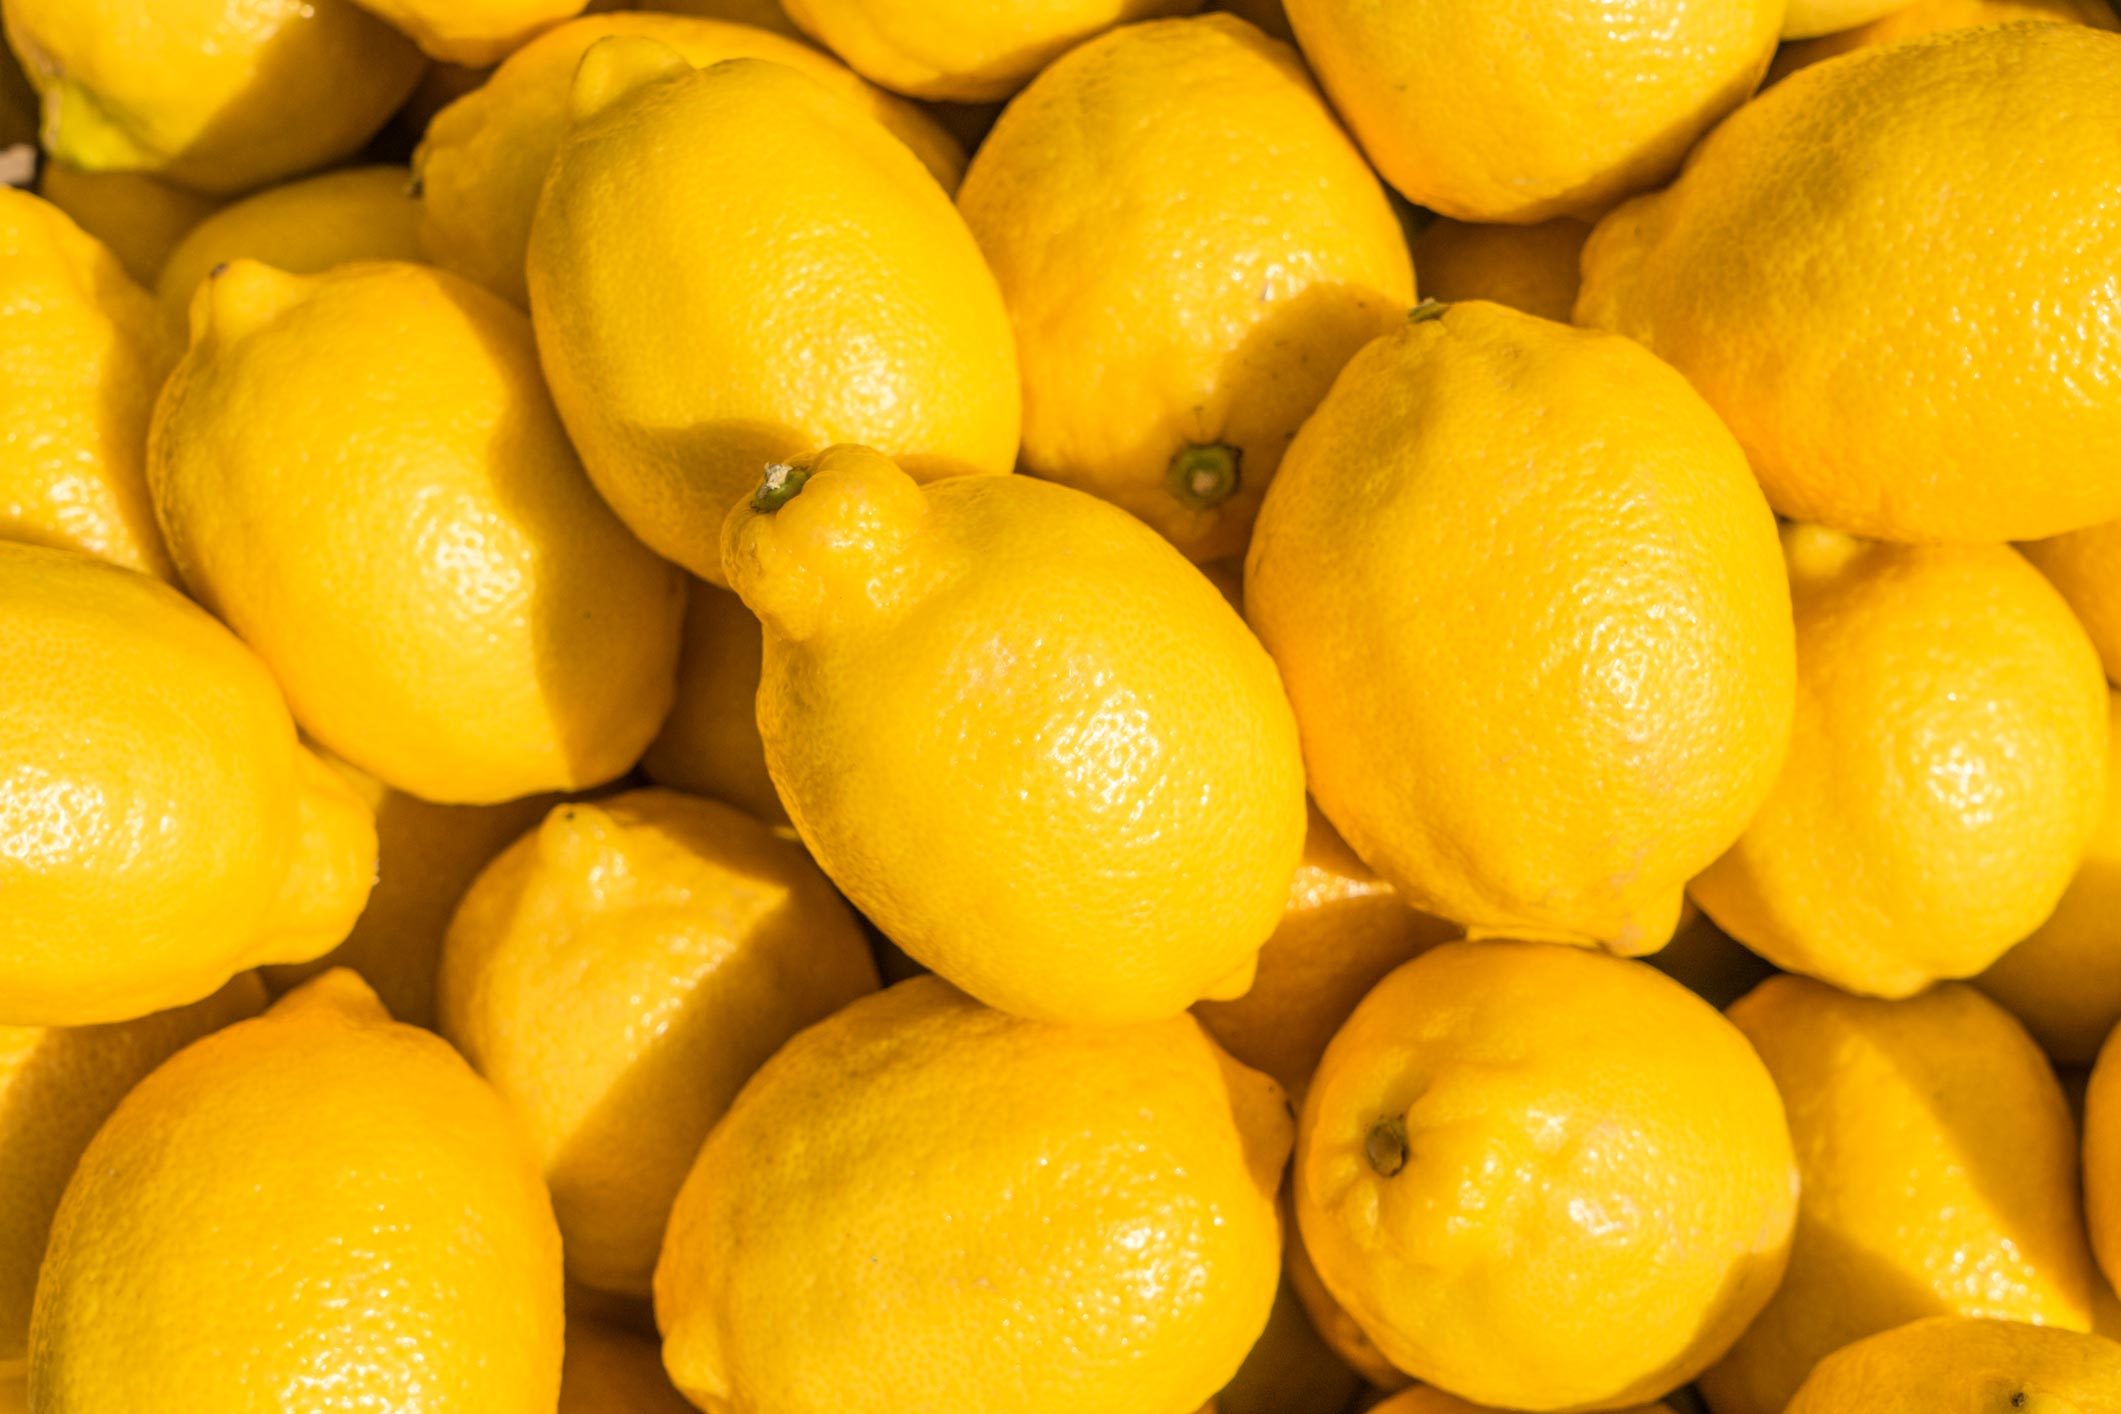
[
  {"x": 81, "y": 357},
  {"x": 139, "y": 218},
  {"x": 861, "y": 311},
  {"x": 1124, "y": 805},
  {"x": 1873, "y": 186},
  {"x": 473, "y": 32},
  {"x": 1965, "y": 1364},
  {"x": 446, "y": 601},
  {"x": 1907, "y": 20},
  {"x": 1429, "y": 1400},
  {"x": 966, "y": 51},
  {"x": 1947, "y": 770},
  {"x": 1807, "y": 18},
  {"x": 710, "y": 743},
  {"x": 1190, "y": 249},
  {"x": 1525, "y": 110},
  {"x": 160, "y": 829},
  {"x": 57, "y": 1085},
  {"x": 1496, "y": 1151},
  {"x": 210, "y": 95},
  {"x": 924, "y": 1204},
  {"x": 1939, "y": 1178},
  {"x": 1290, "y": 1369},
  {"x": 618, "y": 974},
  {"x": 2102, "y": 1159},
  {"x": 1532, "y": 268},
  {"x": 610, "y": 1370},
  {"x": 1341, "y": 931},
  {"x": 1267, "y": 14},
  {"x": 320, "y": 1199},
  {"x": 1569, "y": 683},
  {"x": 484, "y": 158},
  {"x": 304, "y": 227}
]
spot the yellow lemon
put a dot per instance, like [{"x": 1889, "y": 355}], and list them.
[
  {"x": 304, "y": 227},
  {"x": 1532, "y": 268},
  {"x": 57, "y": 1085},
  {"x": 1495, "y": 1156},
  {"x": 846, "y": 301},
  {"x": 1267, "y": 14},
  {"x": 1947, "y": 769},
  {"x": 1190, "y": 249},
  {"x": 446, "y": 601},
  {"x": 2086, "y": 566},
  {"x": 610, "y": 1370},
  {"x": 1290, "y": 1369},
  {"x": 160, "y": 829},
  {"x": 1569, "y": 684},
  {"x": 473, "y": 32},
  {"x": 966, "y": 51},
  {"x": 81, "y": 358},
  {"x": 1807, "y": 18},
  {"x": 317, "y": 1200},
  {"x": 2102, "y": 1159},
  {"x": 485, "y": 157},
  {"x": 1939, "y": 1177},
  {"x": 1341, "y": 931},
  {"x": 1429, "y": 1400},
  {"x": 1872, "y": 186},
  {"x": 140, "y": 219},
  {"x": 210, "y": 95},
  {"x": 924, "y": 1204},
  {"x": 1966, "y": 1366},
  {"x": 618, "y": 974},
  {"x": 1125, "y": 805},
  {"x": 1907, "y": 20},
  {"x": 1329, "y": 1318},
  {"x": 1524, "y": 110},
  {"x": 710, "y": 743}
]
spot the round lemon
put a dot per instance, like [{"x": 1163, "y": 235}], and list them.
[
  {"x": 1124, "y": 805},
  {"x": 477, "y": 33},
  {"x": 610, "y": 1370},
  {"x": 710, "y": 743},
  {"x": 1526, "y": 599},
  {"x": 1946, "y": 773},
  {"x": 1907, "y": 20},
  {"x": 1961, "y": 1363},
  {"x": 1496, "y": 1152},
  {"x": 446, "y": 601},
  {"x": 1190, "y": 249},
  {"x": 1532, "y": 268},
  {"x": 1939, "y": 1167},
  {"x": 139, "y": 218},
  {"x": 160, "y": 828},
  {"x": 943, "y": 1207}
]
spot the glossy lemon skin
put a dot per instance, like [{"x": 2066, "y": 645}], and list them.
[{"x": 1960, "y": 1363}]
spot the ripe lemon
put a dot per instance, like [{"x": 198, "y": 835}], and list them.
[
  {"x": 846, "y": 300},
  {"x": 1939, "y": 1178},
  {"x": 1570, "y": 683},
  {"x": 139, "y": 218},
  {"x": 320, "y": 1199},
  {"x": 1125, "y": 805},
  {"x": 1907, "y": 20},
  {"x": 2086, "y": 566},
  {"x": 1190, "y": 249},
  {"x": 1532, "y": 268},
  {"x": 610, "y": 1370},
  {"x": 966, "y": 51},
  {"x": 446, "y": 601},
  {"x": 210, "y": 95},
  {"x": 1341, "y": 931},
  {"x": 618, "y": 974},
  {"x": 710, "y": 743},
  {"x": 1526, "y": 110},
  {"x": 81, "y": 357},
  {"x": 484, "y": 158},
  {"x": 1290, "y": 1368},
  {"x": 57, "y": 1085},
  {"x": 1427, "y": 1399},
  {"x": 160, "y": 829},
  {"x": 2102, "y": 1159},
  {"x": 1966, "y": 1366},
  {"x": 304, "y": 228},
  {"x": 924, "y": 1204},
  {"x": 1496, "y": 1151},
  {"x": 1947, "y": 769},
  {"x": 1874, "y": 187},
  {"x": 472, "y": 32}
]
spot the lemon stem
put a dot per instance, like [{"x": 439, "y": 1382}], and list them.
[
  {"x": 1205, "y": 474},
  {"x": 781, "y": 486},
  {"x": 1386, "y": 1148},
  {"x": 1425, "y": 311}
]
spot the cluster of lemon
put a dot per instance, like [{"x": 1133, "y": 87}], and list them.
[{"x": 572, "y": 838}]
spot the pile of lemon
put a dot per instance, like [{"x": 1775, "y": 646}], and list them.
[{"x": 856, "y": 708}]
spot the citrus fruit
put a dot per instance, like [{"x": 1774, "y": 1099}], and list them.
[
  {"x": 139, "y": 218},
  {"x": 473, "y": 32},
  {"x": 2102, "y": 1159},
  {"x": 1907, "y": 20},
  {"x": 1961, "y": 1363},
  {"x": 710, "y": 743}
]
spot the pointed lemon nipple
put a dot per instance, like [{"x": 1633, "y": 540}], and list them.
[
  {"x": 1205, "y": 474},
  {"x": 619, "y": 65},
  {"x": 240, "y": 297}
]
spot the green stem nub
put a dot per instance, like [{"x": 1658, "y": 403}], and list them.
[
  {"x": 1205, "y": 474},
  {"x": 1386, "y": 1148},
  {"x": 782, "y": 483},
  {"x": 1425, "y": 311}
]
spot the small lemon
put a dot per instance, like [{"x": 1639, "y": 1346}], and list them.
[
  {"x": 139, "y": 218},
  {"x": 304, "y": 227},
  {"x": 1907, "y": 20},
  {"x": 473, "y": 32},
  {"x": 1190, "y": 249},
  {"x": 210, "y": 95},
  {"x": 1290, "y": 1368},
  {"x": 924, "y": 1204},
  {"x": 1947, "y": 770},
  {"x": 1966, "y": 1365},
  {"x": 1124, "y": 805},
  {"x": 1532, "y": 268},
  {"x": 484, "y": 158},
  {"x": 446, "y": 601},
  {"x": 160, "y": 828},
  {"x": 710, "y": 743},
  {"x": 1569, "y": 681},
  {"x": 1494, "y": 1158},
  {"x": 2102, "y": 1159},
  {"x": 1939, "y": 1169},
  {"x": 610, "y": 1370},
  {"x": 618, "y": 974}
]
